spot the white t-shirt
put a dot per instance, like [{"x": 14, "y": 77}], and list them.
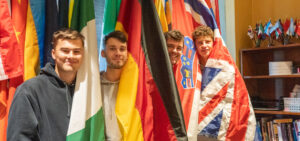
[{"x": 109, "y": 91}]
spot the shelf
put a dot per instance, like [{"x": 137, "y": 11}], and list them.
[
  {"x": 275, "y": 112},
  {"x": 272, "y": 76},
  {"x": 273, "y": 47}
]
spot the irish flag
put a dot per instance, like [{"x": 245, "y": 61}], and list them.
[{"x": 87, "y": 120}]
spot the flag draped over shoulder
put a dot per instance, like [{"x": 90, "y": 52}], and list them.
[
  {"x": 215, "y": 102},
  {"x": 87, "y": 120},
  {"x": 134, "y": 105}
]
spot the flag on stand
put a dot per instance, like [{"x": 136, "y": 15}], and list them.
[
  {"x": 279, "y": 30},
  {"x": 267, "y": 28},
  {"x": 291, "y": 30},
  {"x": 87, "y": 119},
  {"x": 215, "y": 102},
  {"x": 286, "y": 26},
  {"x": 297, "y": 30}
]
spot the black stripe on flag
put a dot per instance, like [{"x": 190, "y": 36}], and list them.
[{"x": 157, "y": 58}]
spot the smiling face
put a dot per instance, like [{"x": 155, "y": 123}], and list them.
[
  {"x": 68, "y": 55},
  {"x": 175, "y": 49},
  {"x": 115, "y": 53},
  {"x": 204, "y": 45}
]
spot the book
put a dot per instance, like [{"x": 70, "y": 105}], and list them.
[
  {"x": 287, "y": 120},
  {"x": 279, "y": 133},
  {"x": 258, "y": 135},
  {"x": 264, "y": 128}
]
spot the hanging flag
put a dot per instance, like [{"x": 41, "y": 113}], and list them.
[
  {"x": 50, "y": 27},
  {"x": 99, "y": 17},
  {"x": 168, "y": 11},
  {"x": 220, "y": 106},
  {"x": 138, "y": 111},
  {"x": 57, "y": 18},
  {"x": 166, "y": 103},
  {"x": 111, "y": 12},
  {"x": 7, "y": 89},
  {"x": 87, "y": 119},
  {"x": 34, "y": 43},
  {"x": 213, "y": 6},
  {"x": 161, "y": 13},
  {"x": 11, "y": 56},
  {"x": 18, "y": 16},
  {"x": 11, "y": 61}
]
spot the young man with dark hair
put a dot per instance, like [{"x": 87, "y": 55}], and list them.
[
  {"x": 175, "y": 44},
  {"x": 42, "y": 106},
  {"x": 116, "y": 55}
]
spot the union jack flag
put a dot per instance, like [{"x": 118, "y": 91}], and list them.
[{"x": 215, "y": 102}]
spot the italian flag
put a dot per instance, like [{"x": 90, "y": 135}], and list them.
[{"x": 87, "y": 119}]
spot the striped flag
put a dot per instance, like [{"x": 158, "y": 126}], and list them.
[
  {"x": 34, "y": 39},
  {"x": 87, "y": 119},
  {"x": 137, "y": 111},
  {"x": 111, "y": 13},
  {"x": 167, "y": 112},
  {"x": 215, "y": 102},
  {"x": 161, "y": 13}
]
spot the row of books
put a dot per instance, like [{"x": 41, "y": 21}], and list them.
[{"x": 268, "y": 129}]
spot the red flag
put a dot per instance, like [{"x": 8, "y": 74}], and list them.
[
  {"x": 129, "y": 21},
  {"x": 11, "y": 60},
  {"x": 286, "y": 25},
  {"x": 19, "y": 16},
  {"x": 10, "y": 52},
  {"x": 297, "y": 28},
  {"x": 215, "y": 102},
  {"x": 184, "y": 23},
  {"x": 143, "y": 126},
  {"x": 8, "y": 88}
]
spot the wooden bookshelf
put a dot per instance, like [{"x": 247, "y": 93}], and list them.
[
  {"x": 272, "y": 76},
  {"x": 264, "y": 87},
  {"x": 276, "y": 112}
]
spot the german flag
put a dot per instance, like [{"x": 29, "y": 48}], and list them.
[{"x": 147, "y": 78}]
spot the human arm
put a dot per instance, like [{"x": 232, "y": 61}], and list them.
[{"x": 22, "y": 121}]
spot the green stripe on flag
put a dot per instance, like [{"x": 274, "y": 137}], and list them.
[
  {"x": 87, "y": 119},
  {"x": 111, "y": 12},
  {"x": 91, "y": 125},
  {"x": 85, "y": 10}
]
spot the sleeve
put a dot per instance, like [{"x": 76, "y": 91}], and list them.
[{"x": 22, "y": 120}]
